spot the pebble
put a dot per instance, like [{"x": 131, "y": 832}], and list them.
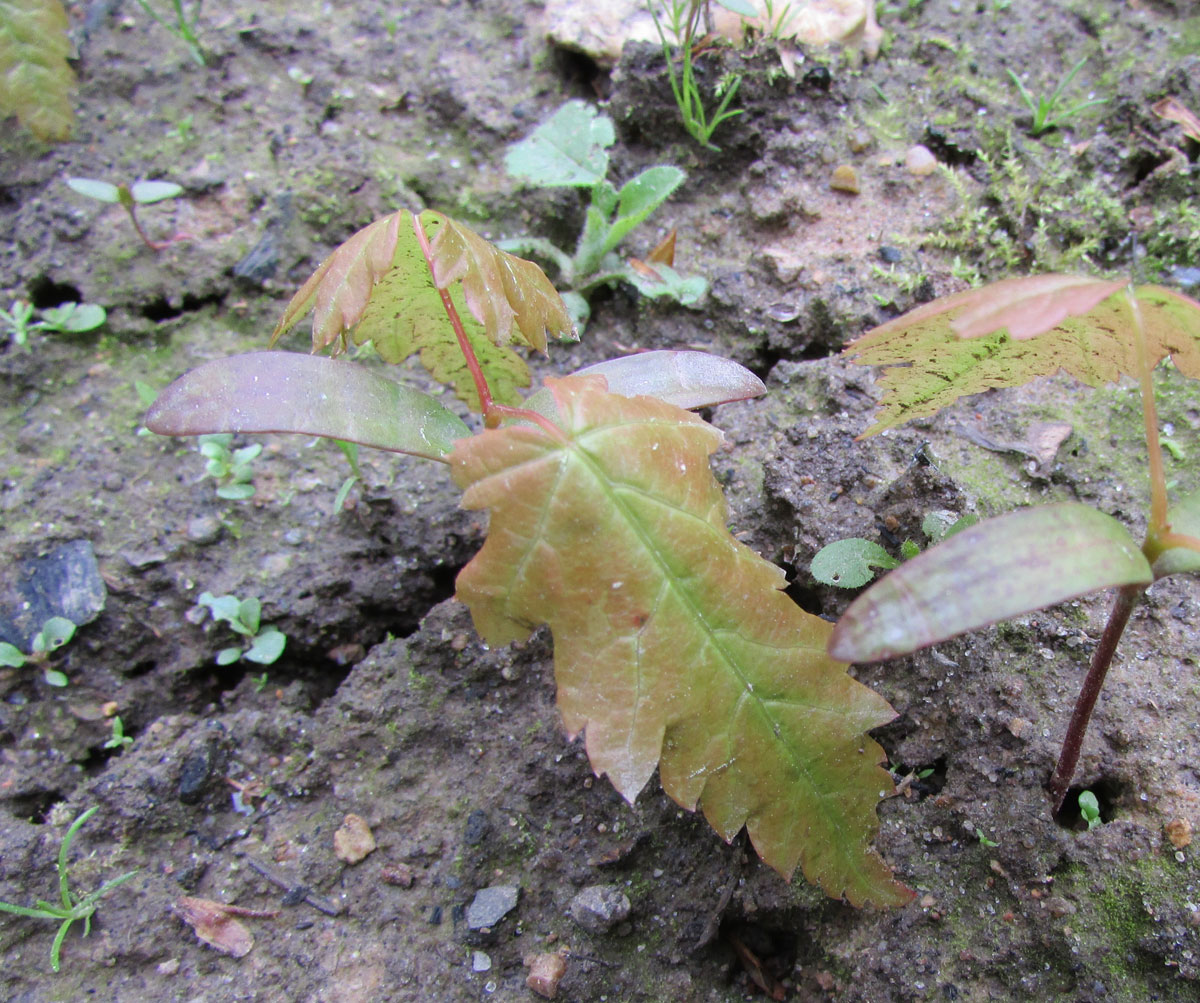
[
  {"x": 890, "y": 255},
  {"x": 477, "y": 827},
  {"x": 113, "y": 481},
  {"x": 919, "y": 161},
  {"x": 204, "y": 529},
  {"x": 545, "y": 973},
  {"x": 845, "y": 179},
  {"x": 491, "y": 905},
  {"x": 1179, "y": 832},
  {"x": 785, "y": 313},
  {"x": 481, "y": 962},
  {"x": 598, "y": 908},
  {"x": 353, "y": 840}
]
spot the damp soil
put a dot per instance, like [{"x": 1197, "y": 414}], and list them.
[{"x": 309, "y": 121}]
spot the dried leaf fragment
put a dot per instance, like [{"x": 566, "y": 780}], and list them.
[
  {"x": 214, "y": 923},
  {"x": 1174, "y": 111},
  {"x": 353, "y": 840}
]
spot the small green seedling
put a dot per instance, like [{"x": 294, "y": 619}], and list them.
[
  {"x": 181, "y": 26},
  {"x": 569, "y": 150},
  {"x": 129, "y": 196},
  {"x": 1005, "y": 335},
  {"x": 71, "y": 908},
  {"x": 68, "y": 318},
  {"x": 118, "y": 739},
  {"x": 265, "y": 644},
  {"x": 983, "y": 840},
  {"x": 231, "y": 468},
  {"x": 260, "y": 682},
  {"x": 350, "y": 451},
  {"x": 683, "y": 21},
  {"x": 852, "y": 562},
  {"x": 1046, "y": 112},
  {"x": 675, "y": 645},
  {"x": 55, "y": 632},
  {"x": 1089, "y": 809}
]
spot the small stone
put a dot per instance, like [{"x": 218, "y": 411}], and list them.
[
  {"x": 784, "y": 313},
  {"x": 477, "y": 827},
  {"x": 481, "y": 962},
  {"x": 204, "y": 529},
  {"x": 1017, "y": 726},
  {"x": 353, "y": 840},
  {"x": 1179, "y": 832},
  {"x": 890, "y": 255},
  {"x": 491, "y": 905},
  {"x": 1058, "y": 906},
  {"x": 168, "y": 967},
  {"x": 919, "y": 161},
  {"x": 399, "y": 875},
  {"x": 598, "y": 908},
  {"x": 545, "y": 973},
  {"x": 845, "y": 179},
  {"x": 113, "y": 481}
]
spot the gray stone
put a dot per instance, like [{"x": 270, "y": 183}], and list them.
[
  {"x": 598, "y": 908},
  {"x": 204, "y": 529},
  {"x": 491, "y": 905}
]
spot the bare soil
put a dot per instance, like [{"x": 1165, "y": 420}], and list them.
[{"x": 312, "y": 119}]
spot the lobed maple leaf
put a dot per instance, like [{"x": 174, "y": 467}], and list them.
[
  {"x": 35, "y": 78},
  {"x": 674, "y": 644},
  {"x": 379, "y": 287},
  {"x": 1010, "y": 332}
]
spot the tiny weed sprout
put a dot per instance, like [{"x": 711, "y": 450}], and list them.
[
  {"x": 675, "y": 646},
  {"x": 67, "y": 318},
  {"x": 683, "y": 21},
  {"x": 129, "y": 196},
  {"x": 260, "y": 682},
  {"x": 1005, "y": 335},
  {"x": 570, "y": 150},
  {"x": 983, "y": 840},
  {"x": 231, "y": 468},
  {"x": 1047, "y": 111},
  {"x": 851, "y": 563},
  {"x": 263, "y": 645},
  {"x": 55, "y": 632},
  {"x": 180, "y": 25},
  {"x": 71, "y": 907},
  {"x": 118, "y": 739},
  {"x": 1089, "y": 809}
]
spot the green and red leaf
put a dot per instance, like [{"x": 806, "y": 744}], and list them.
[
  {"x": 378, "y": 286},
  {"x": 1000, "y": 568},
  {"x": 675, "y": 645},
  {"x": 1011, "y": 332}
]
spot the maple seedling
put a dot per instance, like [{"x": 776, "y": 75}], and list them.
[
  {"x": 1005, "y": 335},
  {"x": 570, "y": 150},
  {"x": 675, "y": 646},
  {"x": 129, "y": 196}
]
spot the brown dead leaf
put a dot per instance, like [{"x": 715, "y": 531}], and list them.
[
  {"x": 214, "y": 923},
  {"x": 664, "y": 253},
  {"x": 1173, "y": 111}
]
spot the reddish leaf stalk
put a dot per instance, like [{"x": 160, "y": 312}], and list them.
[
  {"x": 492, "y": 412},
  {"x": 125, "y": 197},
  {"x": 1158, "y": 480},
  {"x": 1068, "y": 758}
]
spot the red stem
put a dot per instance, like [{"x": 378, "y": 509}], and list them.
[
  {"x": 1068, "y": 758},
  {"x": 492, "y": 412}
]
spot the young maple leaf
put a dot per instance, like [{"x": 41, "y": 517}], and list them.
[
  {"x": 378, "y": 287},
  {"x": 674, "y": 644},
  {"x": 35, "y": 78},
  {"x": 1010, "y": 332}
]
